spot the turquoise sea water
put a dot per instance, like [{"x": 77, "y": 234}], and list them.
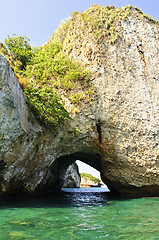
[{"x": 80, "y": 214}]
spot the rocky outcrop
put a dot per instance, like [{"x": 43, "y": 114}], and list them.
[
  {"x": 72, "y": 177},
  {"x": 118, "y": 132},
  {"x": 87, "y": 180}
]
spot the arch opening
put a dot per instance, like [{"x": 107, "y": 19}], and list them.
[
  {"x": 68, "y": 170},
  {"x": 90, "y": 177},
  {"x": 63, "y": 163},
  {"x": 85, "y": 168}
]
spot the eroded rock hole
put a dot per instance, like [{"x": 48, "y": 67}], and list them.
[
  {"x": 80, "y": 175},
  {"x": 65, "y": 173},
  {"x": 90, "y": 177},
  {"x": 68, "y": 172}
]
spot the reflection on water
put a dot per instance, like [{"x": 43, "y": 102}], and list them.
[
  {"x": 85, "y": 196},
  {"x": 79, "y": 214}
]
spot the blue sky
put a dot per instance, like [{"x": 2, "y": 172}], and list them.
[
  {"x": 38, "y": 19},
  {"x": 86, "y": 168}
]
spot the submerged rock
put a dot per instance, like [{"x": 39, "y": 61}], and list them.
[{"x": 118, "y": 132}]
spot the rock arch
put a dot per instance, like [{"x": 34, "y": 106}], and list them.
[
  {"x": 93, "y": 160},
  {"x": 121, "y": 125},
  {"x": 54, "y": 177}
]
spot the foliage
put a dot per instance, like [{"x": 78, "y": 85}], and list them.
[
  {"x": 19, "y": 48},
  {"x": 138, "y": 9},
  {"x": 46, "y": 105},
  {"x": 89, "y": 176},
  {"x": 45, "y": 72},
  {"x": 5, "y": 53},
  {"x": 50, "y": 70},
  {"x": 75, "y": 131},
  {"x": 77, "y": 97},
  {"x": 61, "y": 31},
  {"x": 41, "y": 73},
  {"x": 3, "y": 49},
  {"x": 146, "y": 15},
  {"x": 50, "y": 66}
]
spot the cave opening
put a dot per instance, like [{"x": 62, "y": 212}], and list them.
[
  {"x": 90, "y": 177},
  {"x": 64, "y": 189},
  {"x": 70, "y": 168}
]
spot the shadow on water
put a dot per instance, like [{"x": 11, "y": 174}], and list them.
[{"x": 67, "y": 197}]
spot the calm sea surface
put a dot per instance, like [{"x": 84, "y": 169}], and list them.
[{"x": 80, "y": 214}]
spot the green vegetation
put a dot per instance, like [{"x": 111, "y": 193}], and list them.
[
  {"x": 46, "y": 105},
  {"x": 49, "y": 75},
  {"x": 20, "y": 50},
  {"x": 4, "y": 52},
  {"x": 146, "y": 16},
  {"x": 43, "y": 73},
  {"x": 102, "y": 21},
  {"x": 75, "y": 131},
  {"x": 51, "y": 71},
  {"x": 50, "y": 66},
  {"x": 87, "y": 176},
  {"x": 138, "y": 9},
  {"x": 150, "y": 18}
]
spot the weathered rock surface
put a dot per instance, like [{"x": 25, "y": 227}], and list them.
[
  {"x": 119, "y": 130},
  {"x": 71, "y": 177}
]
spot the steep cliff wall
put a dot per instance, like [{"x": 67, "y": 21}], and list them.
[
  {"x": 31, "y": 156},
  {"x": 126, "y": 74},
  {"x": 118, "y": 132}
]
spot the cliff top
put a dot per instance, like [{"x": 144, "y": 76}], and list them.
[
  {"x": 102, "y": 22},
  {"x": 68, "y": 63}
]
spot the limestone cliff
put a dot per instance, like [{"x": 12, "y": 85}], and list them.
[{"x": 118, "y": 132}]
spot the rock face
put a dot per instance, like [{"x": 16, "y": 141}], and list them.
[
  {"x": 72, "y": 177},
  {"x": 119, "y": 130}
]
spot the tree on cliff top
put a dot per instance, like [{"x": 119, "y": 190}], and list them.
[{"x": 19, "y": 48}]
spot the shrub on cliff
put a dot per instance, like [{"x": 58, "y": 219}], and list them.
[
  {"x": 42, "y": 72},
  {"x": 49, "y": 71},
  {"x": 50, "y": 66},
  {"x": 19, "y": 49},
  {"x": 46, "y": 105}
]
